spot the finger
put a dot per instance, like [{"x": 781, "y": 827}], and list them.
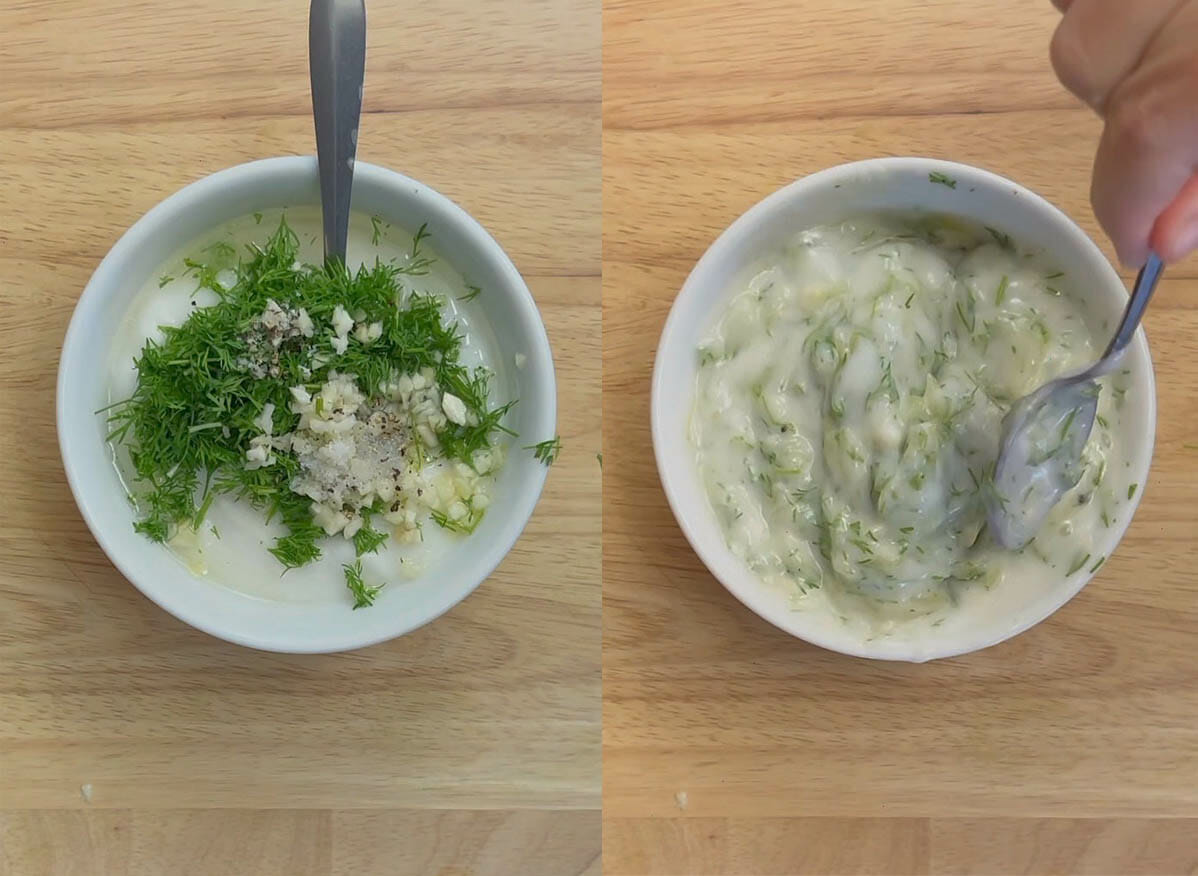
[
  {"x": 1099, "y": 42},
  {"x": 1148, "y": 152},
  {"x": 1175, "y": 234}
]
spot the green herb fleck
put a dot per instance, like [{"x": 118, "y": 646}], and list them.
[
  {"x": 462, "y": 525},
  {"x": 376, "y": 232},
  {"x": 1078, "y": 563},
  {"x": 418, "y": 265},
  {"x": 363, "y": 594},
  {"x": 1001, "y": 294},
  {"x": 1065, "y": 426},
  {"x": 942, "y": 179},
  {"x": 257, "y": 218},
  {"x": 546, "y": 451},
  {"x": 1131, "y": 491},
  {"x": 1097, "y": 565},
  {"x": 368, "y": 540},
  {"x": 472, "y": 292},
  {"x": 968, "y": 321},
  {"x": 164, "y": 279},
  {"x": 1003, "y": 240}
]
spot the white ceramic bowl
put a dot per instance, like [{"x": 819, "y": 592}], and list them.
[
  {"x": 83, "y": 371},
  {"x": 832, "y": 196}
]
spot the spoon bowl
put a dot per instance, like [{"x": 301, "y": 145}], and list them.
[{"x": 1046, "y": 431}]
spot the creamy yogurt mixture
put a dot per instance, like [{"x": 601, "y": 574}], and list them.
[
  {"x": 849, "y": 405},
  {"x": 230, "y": 547}
]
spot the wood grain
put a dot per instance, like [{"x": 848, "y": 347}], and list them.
[
  {"x": 900, "y": 846},
  {"x": 470, "y": 746},
  {"x": 730, "y": 747},
  {"x": 298, "y": 842}
]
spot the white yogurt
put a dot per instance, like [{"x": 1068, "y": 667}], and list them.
[
  {"x": 231, "y": 546},
  {"x": 849, "y": 405}
]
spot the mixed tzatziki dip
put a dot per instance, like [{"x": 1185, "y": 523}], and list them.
[{"x": 849, "y": 405}]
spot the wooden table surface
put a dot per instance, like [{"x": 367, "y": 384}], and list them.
[
  {"x": 730, "y": 747},
  {"x": 468, "y": 747}
]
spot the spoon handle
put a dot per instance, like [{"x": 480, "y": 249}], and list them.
[
  {"x": 1146, "y": 282},
  {"x": 337, "y": 61}
]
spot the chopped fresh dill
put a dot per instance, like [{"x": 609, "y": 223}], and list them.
[
  {"x": 1056, "y": 276},
  {"x": 462, "y": 526},
  {"x": 1001, "y": 294},
  {"x": 942, "y": 179},
  {"x": 599, "y": 456},
  {"x": 192, "y": 416},
  {"x": 1078, "y": 563},
  {"x": 257, "y": 218},
  {"x": 970, "y": 321},
  {"x": 364, "y": 595},
  {"x": 472, "y": 292},
  {"x": 1131, "y": 491},
  {"x": 164, "y": 279},
  {"x": 1097, "y": 565},
  {"x": 910, "y": 298},
  {"x": 546, "y": 451},
  {"x": 1003, "y": 240},
  {"x": 376, "y": 230},
  {"x": 1065, "y": 426},
  {"x": 367, "y": 540},
  {"x": 222, "y": 253},
  {"x": 418, "y": 264}
]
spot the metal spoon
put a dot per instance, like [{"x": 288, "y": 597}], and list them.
[
  {"x": 337, "y": 61},
  {"x": 1045, "y": 432}
]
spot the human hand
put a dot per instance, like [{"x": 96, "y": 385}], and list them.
[{"x": 1136, "y": 63}]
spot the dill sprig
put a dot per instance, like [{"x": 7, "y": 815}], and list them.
[
  {"x": 367, "y": 540},
  {"x": 462, "y": 526},
  {"x": 546, "y": 451},
  {"x": 1003, "y": 240},
  {"x": 1078, "y": 563},
  {"x": 191, "y": 417},
  {"x": 364, "y": 595}
]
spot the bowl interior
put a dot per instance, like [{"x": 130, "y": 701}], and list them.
[
  {"x": 833, "y": 196},
  {"x": 508, "y": 310}
]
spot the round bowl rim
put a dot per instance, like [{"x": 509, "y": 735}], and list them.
[
  {"x": 292, "y": 170},
  {"x": 746, "y": 589}
]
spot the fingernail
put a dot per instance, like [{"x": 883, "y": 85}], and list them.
[{"x": 1186, "y": 240}]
